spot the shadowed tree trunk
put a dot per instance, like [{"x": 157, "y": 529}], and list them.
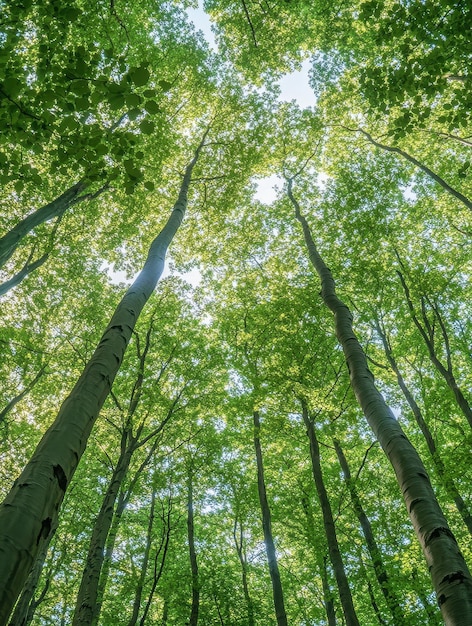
[
  {"x": 328, "y": 522},
  {"x": 277, "y": 590},
  {"x": 41, "y": 487},
  {"x": 55, "y": 209},
  {"x": 450, "y": 575},
  {"x": 193, "y": 620},
  {"x": 427, "y": 332},
  {"x": 393, "y": 602},
  {"x": 240, "y": 549},
  {"x": 447, "y": 481}
]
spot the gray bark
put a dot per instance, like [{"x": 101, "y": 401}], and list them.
[
  {"x": 449, "y": 572},
  {"x": 41, "y": 487}
]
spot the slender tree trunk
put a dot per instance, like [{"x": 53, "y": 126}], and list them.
[
  {"x": 277, "y": 590},
  {"x": 6, "y": 410},
  {"x": 158, "y": 569},
  {"x": 138, "y": 593},
  {"x": 447, "y": 481},
  {"x": 11, "y": 240},
  {"x": 193, "y": 621},
  {"x": 86, "y": 604},
  {"x": 328, "y": 522},
  {"x": 427, "y": 333},
  {"x": 27, "y": 605},
  {"x": 239, "y": 543},
  {"x": 35, "y": 498},
  {"x": 450, "y": 575},
  {"x": 393, "y": 602},
  {"x": 321, "y": 562},
  {"x": 421, "y": 166}
]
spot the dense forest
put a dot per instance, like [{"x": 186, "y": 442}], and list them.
[{"x": 272, "y": 426}]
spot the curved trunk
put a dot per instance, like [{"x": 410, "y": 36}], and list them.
[
  {"x": 447, "y": 481},
  {"x": 277, "y": 590},
  {"x": 328, "y": 523},
  {"x": 35, "y": 498},
  {"x": 11, "y": 240},
  {"x": 449, "y": 572}
]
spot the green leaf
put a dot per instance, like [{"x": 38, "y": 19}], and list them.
[
  {"x": 149, "y": 185},
  {"x": 140, "y": 76},
  {"x": 147, "y": 127},
  {"x": 152, "y": 107}
]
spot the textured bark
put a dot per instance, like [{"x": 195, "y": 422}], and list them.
[
  {"x": 277, "y": 590},
  {"x": 11, "y": 240},
  {"x": 447, "y": 481},
  {"x": 321, "y": 562},
  {"x": 239, "y": 543},
  {"x": 193, "y": 620},
  {"x": 422, "y": 167},
  {"x": 449, "y": 573},
  {"x": 27, "y": 604},
  {"x": 393, "y": 602},
  {"x": 328, "y": 523},
  {"x": 86, "y": 605},
  {"x": 426, "y": 331},
  {"x": 36, "y": 496}
]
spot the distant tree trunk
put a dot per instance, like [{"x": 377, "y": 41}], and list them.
[
  {"x": 6, "y": 410},
  {"x": 443, "y": 474},
  {"x": 421, "y": 166},
  {"x": 160, "y": 552},
  {"x": 86, "y": 604},
  {"x": 393, "y": 602},
  {"x": 239, "y": 543},
  {"x": 450, "y": 575},
  {"x": 41, "y": 487},
  {"x": 277, "y": 590},
  {"x": 328, "y": 522},
  {"x": 427, "y": 332},
  {"x": 11, "y": 240},
  {"x": 321, "y": 561},
  {"x": 193, "y": 621}
]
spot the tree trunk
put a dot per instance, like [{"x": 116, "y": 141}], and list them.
[
  {"x": 421, "y": 166},
  {"x": 450, "y": 575},
  {"x": 192, "y": 553},
  {"x": 393, "y": 602},
  {"x": 27, "y": 605},
  {"x": 86, "y": 604},
  {"x": 447, "y": 481},
  {"x": 427, "y": 333},
  {"x": 328, "y": 522},
  {"x": 35, "y": 498},
  {"x": 11, "y": 240},
  {"x": 277, "y": 590},
  {"x": 321, "y": 562},
  {"x": 239, "y": 543}
]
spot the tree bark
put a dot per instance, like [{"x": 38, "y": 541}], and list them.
[
  {"x": 11, "y": 240},
  {"x": 328, "y": 523},
  {"x": 427, "y": 333},
  {"x": 447, "y": 481},
  {"x": 35, "y": 498},
  {"x": 421, "y": 166},
  {"x": 393, "y": 602},
  {"x": 450, "y": 575},
  {"x": 193, "y": 620},
  {"x": 239, "y": 543},
  {"x": 277, "y": 590}
]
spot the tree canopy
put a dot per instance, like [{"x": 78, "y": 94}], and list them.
[{"x": 277, "y": 429}]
